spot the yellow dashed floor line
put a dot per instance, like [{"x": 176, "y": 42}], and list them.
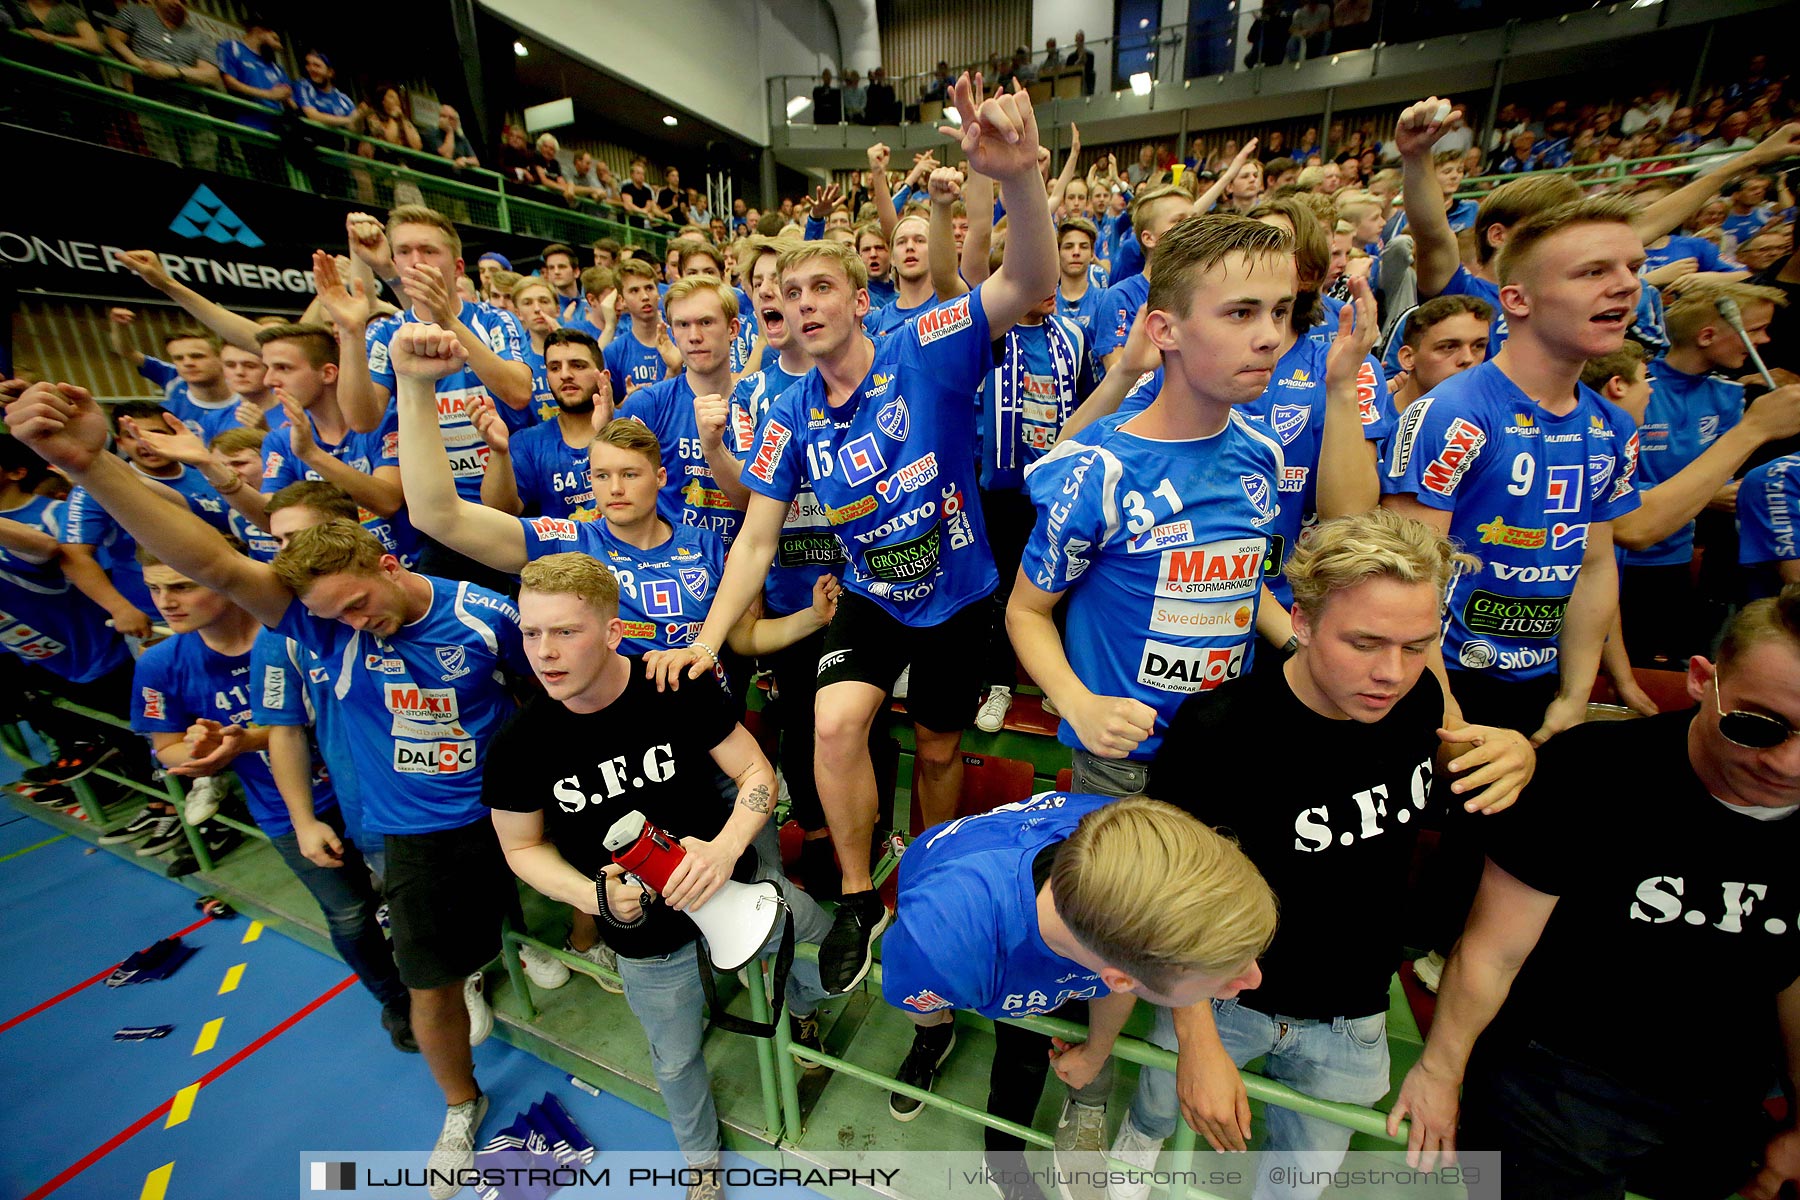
[
  {"x": 232, "y": 978},
  {"x": 156, "y": 1183},
  {"x": 182, "y": 1106},
  {"x": 209, "y": 1036},
  {"x": 252, "y": 933}
]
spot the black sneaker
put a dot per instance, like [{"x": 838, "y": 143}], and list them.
[
  {"x": 166, "y": 835},
  {"x": 141, "y": 825},
  {"x": 78, "y": 760},
  {"x": 397, "y": 1020},
  {"x": 847, "y": 951},
  {"x": 930, "y": 1047},
  {"x": 219, "y": 839},
  {"x": 805, "y": 1031}
]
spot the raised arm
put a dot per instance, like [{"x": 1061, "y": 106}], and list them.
[
  {"x": 1347, "y": 480},
  {"x": 363, "y": 401},
  {"x": 943, "y": 190},
  {"x": 1674, "y": 210},
  {"x": 1669, "y": 505},
  {"x": 64, "y": 425},
  {"x": 1435, "y": 253},
  {"x": 999, "y": 137},
  {"x": 885, "y": 212},
  {"x": 500, "y": 481},
  {"x": 421, "y": 355},
  {"x": 233, "y": 329},
  {"x": 118, "y": 320},
  {"x": 978, "y": 242},
  {"x": 509, "y": 380},
  {"x": 1210, "y": 197},
  {"x": 1060, "y": 184}
]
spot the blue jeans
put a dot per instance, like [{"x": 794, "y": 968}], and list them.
[
  {"x": 665, "y": 995},
  {"x": 349, "y": 904},
  {"x": 1344, "y": 1059}
]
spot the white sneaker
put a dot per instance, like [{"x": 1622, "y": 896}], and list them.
[
  {"x": 481, "y": 1017},
  {"x": 1050, "y": 709},
  {"x": 455, "y": 1149},
  {"x": 601, "y": 955},
  {"x": 1135, "y": 1150},
  {"x": 203, "y": 799},
  {"x": 545, "y": 970},
  {"x": 1430, "y": 971},
  {"x": 992, "y": 717},
  {"x": 901, "y": 684}
]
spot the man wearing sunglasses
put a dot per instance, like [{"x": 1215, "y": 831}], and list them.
[{"x": 1645, "y": 853}]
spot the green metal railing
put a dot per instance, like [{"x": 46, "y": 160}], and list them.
[
  {"x": 1693, "y": 162},
  {"x": 194, "y": 135}
]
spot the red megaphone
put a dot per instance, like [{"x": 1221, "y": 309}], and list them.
[{"x": 737, "y": 921}]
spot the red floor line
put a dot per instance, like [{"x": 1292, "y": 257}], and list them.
[
  {"x": 160, "y": 1111},
  {"x": 53, "y": 1001}
]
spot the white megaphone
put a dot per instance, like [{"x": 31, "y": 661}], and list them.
[{"x": 737, "y": 921}]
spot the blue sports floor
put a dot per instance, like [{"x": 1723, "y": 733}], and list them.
[{"x": 285, "y": 1046}]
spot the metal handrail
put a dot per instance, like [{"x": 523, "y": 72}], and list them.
[
  {"x": 476, "y": 182},
  {"x": 1600, "y": 173}
]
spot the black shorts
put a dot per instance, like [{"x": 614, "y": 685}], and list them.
[
  {"x": 865, "y": 644},
  {"x": 448, "y": 893}
]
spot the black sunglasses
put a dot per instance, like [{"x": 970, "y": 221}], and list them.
[{"x": 1753, "y": 731}]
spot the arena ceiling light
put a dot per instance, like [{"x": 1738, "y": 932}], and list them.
[
  {"x": 1140, "y": 83},
  {"x": 520, "y": 50},
  {"x": 669, "y": 119}
]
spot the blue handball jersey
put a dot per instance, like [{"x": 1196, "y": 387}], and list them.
[
  {"x": 894, "y": 465},
  {"x": 181, "y": 680},
  {"x": 1292, "y": 411},
  {"x": 43, "y": 618},
  {"x": 664, "y": 592},
  {"x": 1687, "y": 413},
  {"x": 205, "y": 419},
  {"x": 883, "y": 321},
  {"x": 1086, "y": 312},
  {"x": 85, "y": 523},
  {"x": 966, "y": 935},
  {"x": 420, "y": 706},
  {"x": 362, "y": 452},
  {"x": 1162, "y": 547},
  {"x": 290, "y": 686},
  {"x": 551, "y": 475},
  {"x": 806, "y": 547},
  {"x": 1768, "y": 501},
  {"x": 691, "y": 494},
  {"x": 1522, "y": 487},
  {"x": 1116, "y": 310},
  {"x": 468, "y": 453},
  {"x": 630, "y": 364}
]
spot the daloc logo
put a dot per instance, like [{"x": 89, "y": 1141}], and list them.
[{"x": 207, "y": 216}]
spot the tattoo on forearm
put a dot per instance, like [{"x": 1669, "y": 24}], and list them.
[{"x": 757, "y": 799}]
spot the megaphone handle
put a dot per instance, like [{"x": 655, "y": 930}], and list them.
[{"x": 646, "y": 898}]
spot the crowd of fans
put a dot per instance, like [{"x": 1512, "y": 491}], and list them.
[{"x": 462, "y": 569}]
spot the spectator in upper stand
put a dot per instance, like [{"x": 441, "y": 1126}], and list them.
[
  {"x": 1268, "y": 37},
  {"x": 318, "y": 97},
  {"x": 1679, "y": 130},
  {"x": 1771, "y": 244},
  {"x": 59, "y": 24},
  {"x": 699, "y": 212},
  {"x": 1754, "y": 83},
  {"x": 1052, "y": 60},
  {"x": 1143, "y": 168},
  {"x": 549, "y": 167},
  {"x": 517, "y": 162},
  {"x": 828, "y": 101},
  {"x": 453, "y": 143},
  {"x": 1022, "y": 68},
  {"x": 938, "y": 87},
  {"x": 583, "y": 178},
  {"x": 1352, "y": 24},
  {"x": 855, "y": 97},
  {"x": 636, "y": 196},
  {"x": 1309, "y": 36},
  {"x": 1457, "y": 136},
  {"x": 1082, "y": 57},
  {"x": 1707, "y": 124},
  {"x": 669, "y": 199},
  {"x": 883, "y": 106},
  {"x": 248, "y": 68},
  {"x": 1731, "y": 137},
  {"x": 159, "y": 40},
  {"x": 390, "y": 121},
  {"x": 1519, "y": 156}
]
